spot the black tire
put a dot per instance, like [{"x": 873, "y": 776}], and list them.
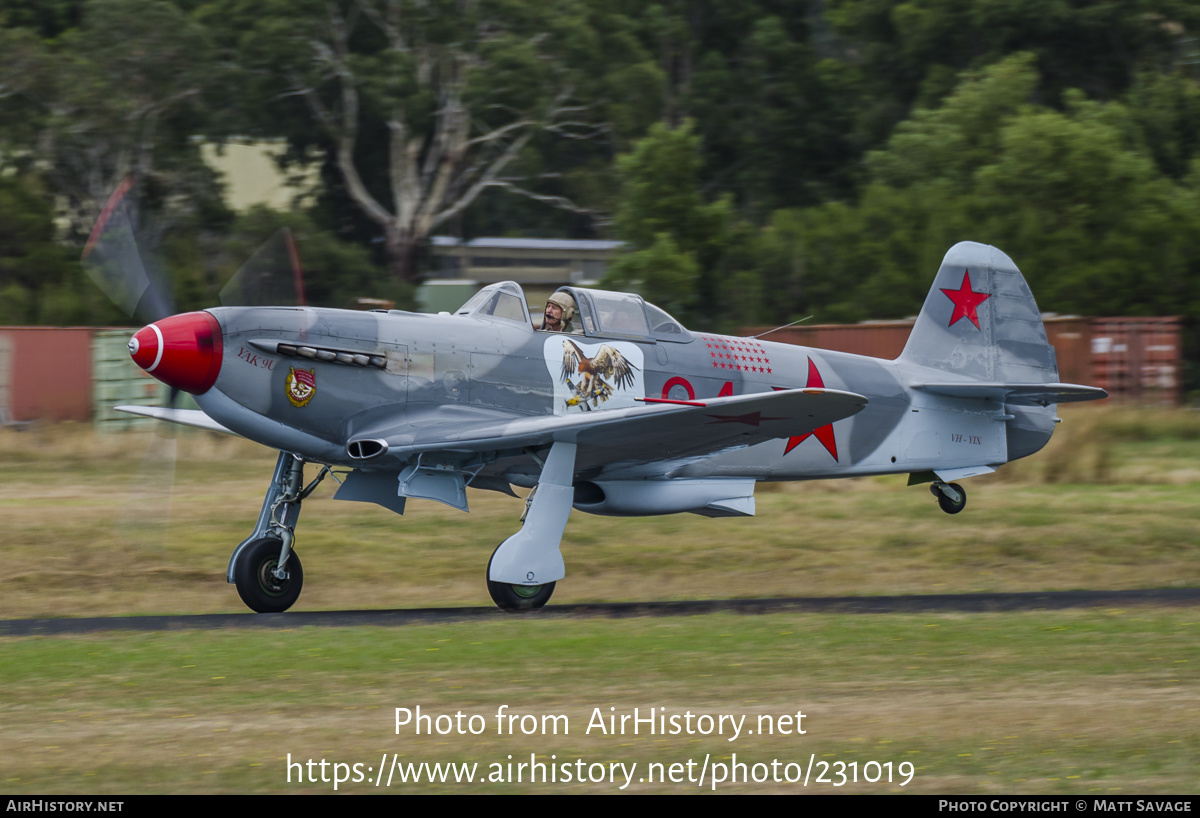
[
  {"x": 517, "y": 598},
  {"x": 949, "y": 506},
  {"x": 261, "y": 592}
]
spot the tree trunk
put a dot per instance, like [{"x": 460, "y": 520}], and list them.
[{"x": 402, "y": 253}]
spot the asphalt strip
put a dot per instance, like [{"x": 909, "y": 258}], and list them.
[{"x": 968, "y": 603}]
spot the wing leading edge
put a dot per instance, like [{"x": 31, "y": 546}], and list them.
[
  {"x": 184, "y": 417},
  {"x": 650, "y": 431}
]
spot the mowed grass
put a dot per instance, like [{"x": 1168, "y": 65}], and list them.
[
  {"x": 1090, "y": 702},
  {"x": 1086, "y": 702}
]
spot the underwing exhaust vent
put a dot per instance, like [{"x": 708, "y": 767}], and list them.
[{"x": 366, "y": 448}]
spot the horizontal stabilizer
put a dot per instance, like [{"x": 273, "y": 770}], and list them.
[
  {"x": 948, "y": 475},
  {"x": 184, "y": 417},
  {"x": 1017, "y": 394}
]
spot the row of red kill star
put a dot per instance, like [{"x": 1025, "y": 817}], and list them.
[
  {"x": 740, "y": 368},
  {"x": 733, "y": 344}
]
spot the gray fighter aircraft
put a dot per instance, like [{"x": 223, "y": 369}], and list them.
[{"x": 631, "y": 414}]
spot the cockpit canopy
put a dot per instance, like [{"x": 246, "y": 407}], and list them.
[
  {"x": 602, "y": 313},
  {"x": 504, "y": 300}
]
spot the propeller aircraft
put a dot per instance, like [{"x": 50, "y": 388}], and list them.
[{"x": 630, "y": 414}]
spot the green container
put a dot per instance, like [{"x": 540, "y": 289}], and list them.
[{"x": 117, "y": 381}]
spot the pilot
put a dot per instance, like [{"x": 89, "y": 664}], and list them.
[{"x": 560, "y": 309}]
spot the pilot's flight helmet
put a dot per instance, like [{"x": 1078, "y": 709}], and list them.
[{"x": 566, "y": 302}]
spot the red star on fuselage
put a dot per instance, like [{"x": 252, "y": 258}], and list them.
[
  {"x": 825, "y": 433},
  {"x": 966, "y": 301}
]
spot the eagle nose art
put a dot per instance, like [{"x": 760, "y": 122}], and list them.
[{"x": 183, "y": 351}]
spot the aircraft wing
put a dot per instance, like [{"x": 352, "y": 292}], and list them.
[
  {"x": 1018, "y": 394},
  {"x": 184, "y": 417},
  {"x": 651, "y": 431}
]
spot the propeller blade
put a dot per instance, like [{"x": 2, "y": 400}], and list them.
[
  {"x": 145, "y": 518},
  {"x": 272, "y": 277},
  {"x": 114, "y": 261}
]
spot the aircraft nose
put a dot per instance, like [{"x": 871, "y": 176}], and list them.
[{"x": 182, "y": 351}]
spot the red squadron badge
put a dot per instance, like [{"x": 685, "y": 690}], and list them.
[{"x": 301, "y": 385}]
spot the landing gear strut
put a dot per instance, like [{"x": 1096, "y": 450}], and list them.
[
  {"x": 951, "y": 497},
  {"x": 524, "y": 568},
  {"x": 265, "y": 569}
]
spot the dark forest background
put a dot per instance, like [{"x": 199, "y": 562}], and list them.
[{"x": 763, "y": 160}]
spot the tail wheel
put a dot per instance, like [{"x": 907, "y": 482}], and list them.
[
  {"x": 946, "y": 504},
  {"x": 513, "y": 598},
  {"x": 258, "y": 586}
]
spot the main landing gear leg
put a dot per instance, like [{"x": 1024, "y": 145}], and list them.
[
  {"x": 266, "y": 570},
  {"x": 524, "y": 568}
]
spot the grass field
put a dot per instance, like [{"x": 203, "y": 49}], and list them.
[{"x": 1088, "y": 702}]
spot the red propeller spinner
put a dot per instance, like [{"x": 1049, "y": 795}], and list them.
[{"x": 183, "y": 351}]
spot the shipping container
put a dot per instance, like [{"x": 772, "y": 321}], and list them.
[
  {"x": 878, "y": 339},
  {"x": 1138, "y": 360},
  {"x": 1072, "y": 342},
  {"x": 118, "y": 381},
  {"x": 6, "y": 415},
  {"x": 47, "y": 375}
]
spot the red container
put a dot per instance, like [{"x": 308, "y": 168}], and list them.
[
  {"x": 1138, "y": 359},
  {"x": 45, "y": 374},
  {"x": 882, "y": 339}
]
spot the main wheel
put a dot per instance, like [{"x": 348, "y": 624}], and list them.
[
  {"x": 949, "y": 506},
  {"x": 513, "y": 598},
  {"x": 257, "y": 586}
]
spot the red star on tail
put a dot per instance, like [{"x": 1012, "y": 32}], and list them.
[
  {"x": 965, "y": 301},
  {"x": 825, "y": 433}
]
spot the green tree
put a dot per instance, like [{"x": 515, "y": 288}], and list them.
[
  {"x": 953, "y": 140},
  {"x": 679, "y": 248},
  {"x": 1074, "y": 196},
  {"x": 336, "y": 273},
  {"x": 1100, "y": 230},
  {"x": 1166, "y": 108},
  {"x": 775, "y": 114},
  {"x": 120, "y": 95},
  {"x": 40, "y": 280}
]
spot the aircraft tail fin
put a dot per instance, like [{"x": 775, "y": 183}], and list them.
[
  {"x": 981, "y": 323},
  {"x": 980, "y": 335}
]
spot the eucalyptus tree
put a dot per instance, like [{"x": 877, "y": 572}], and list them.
[{"x": 421, "y": 105}]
